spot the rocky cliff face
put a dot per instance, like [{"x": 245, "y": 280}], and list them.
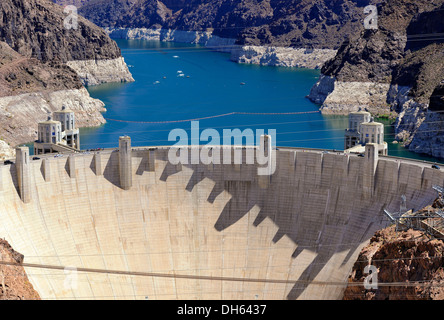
[
  {"x": 406, "y": 256},
  {"x": 44, "y": 65},
  {"x": 402, "y": 59},
  {"x": 14, "y": 283},
  {"x": 29, "y": 89},
  {"x": 20, "y": 74},
  {"x": 286, "y": 23},
  {"x": 262, "y": 31},
  {"x": 37, "y": 29},
  {"x": 429, "y": 137}
]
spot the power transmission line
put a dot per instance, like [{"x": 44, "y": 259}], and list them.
[
  {"x": 215, "y": 116},
  {"x": 219, "y": 278}
]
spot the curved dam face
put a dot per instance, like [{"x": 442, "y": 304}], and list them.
[{"x": 201, "y": 231}]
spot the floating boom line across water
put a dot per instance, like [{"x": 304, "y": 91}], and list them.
[{"x": 215, "y": 116}]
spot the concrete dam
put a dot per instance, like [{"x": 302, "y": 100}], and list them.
[{"x": 201, "y": 231}]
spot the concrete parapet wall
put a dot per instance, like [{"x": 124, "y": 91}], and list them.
[{"x": 203, "y": 220}]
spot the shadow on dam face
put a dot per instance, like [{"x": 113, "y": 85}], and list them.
[{"x": 215, "y": 231}]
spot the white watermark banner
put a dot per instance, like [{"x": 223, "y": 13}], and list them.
[
  {"x": 70, "y": 281},
  {"x": 371, "y": 21},
  {"x": 371, "y": 281},
  {"x": 71, "y": 22},
  {"x": 224, "y": 150}
]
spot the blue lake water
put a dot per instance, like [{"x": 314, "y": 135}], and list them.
[{"x": 176, "y": 81}]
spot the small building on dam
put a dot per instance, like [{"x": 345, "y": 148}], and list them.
[
  {"x": 58, "y": 133},
  {"x": 362, "y": 129}
]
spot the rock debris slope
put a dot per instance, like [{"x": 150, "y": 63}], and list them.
[
  {"x": 405, "y": 256},
  {"x": 14, "y": 283}
]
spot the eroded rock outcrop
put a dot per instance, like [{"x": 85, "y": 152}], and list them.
[
  {"x": 409, "y": 264},
  {"x": 44, "y": 65},
  {"x": 278, "y": 33},
  {"x": 38, "y": 29},
  {"x": 14, "y": 283},
  {"x": 391, "y": 71},
  {"x": 400, "y": 257},
  {"x": 30, "y": 89}
]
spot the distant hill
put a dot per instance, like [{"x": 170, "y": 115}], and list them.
[
  {"x": 35, "y": 28},
  {"x": 77, "y": 3},
  {"x": 295, "y": 23}
]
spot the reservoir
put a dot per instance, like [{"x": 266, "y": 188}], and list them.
[{"x": 176, "y": 82}]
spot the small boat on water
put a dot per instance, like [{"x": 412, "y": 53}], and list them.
[{"x": 242, "y": 83}]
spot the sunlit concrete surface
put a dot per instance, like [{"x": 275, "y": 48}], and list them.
[{"x": 305, "y": 224}]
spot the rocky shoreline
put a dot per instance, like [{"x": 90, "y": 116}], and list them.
[
  {"x": 95, "y": 72},
  {"x": 283, "y": 56},
  {"x": 341, "y": 97},
  {"x": 45, "y": 65},
  {"x": 381, "y": 99},
  {"x": 261, "y": 55},
  {"x": 388, "y": 72}
]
